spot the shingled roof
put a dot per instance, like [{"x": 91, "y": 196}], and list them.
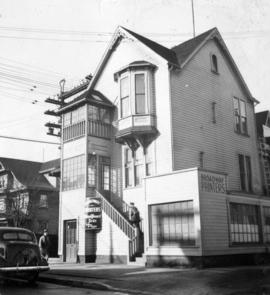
[
  {"x": 185, "y": 49},
  {"x": 27, "y": 173}
]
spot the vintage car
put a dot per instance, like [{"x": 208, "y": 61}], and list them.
[{"x": 20, "y": 255}]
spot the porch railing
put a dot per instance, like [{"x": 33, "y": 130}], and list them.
[
  {"x": 74, "y": 131},
  {"x": 99, "y": 129}
]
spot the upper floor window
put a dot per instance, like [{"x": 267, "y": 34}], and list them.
[
  {"x": 138, "y": 166},
  {"x": 92, "y": 170},
  {"x": 128, "y": 167},
  {"x": 135, "y": 83},
  {"x": 240, "y": 116},
  {"x": 74, "y": 117},
  {"x": 245, "y": 173},
  {"x": 140, "y": 95},
  {"x": 98, "y": 114},
  {"x": 43, "y": 201},
  {"x": 214, "y": 63},
  {"x": 73, "y": 173},
  {"x": 124, "y": 96}
]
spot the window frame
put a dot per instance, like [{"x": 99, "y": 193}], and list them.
[
  {"x": 182, "y": 237},
  {"x": 127, "y": 97},
  {"x": 133, "y": 76},
  {"x": 245, "y": 173},
  {"x": 239, "y": 116},
  {"x": 246, "y": 231},
  {"x": 214, "y": 63},
  {"x": 43, "y": 203}
]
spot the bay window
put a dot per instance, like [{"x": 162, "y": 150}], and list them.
[
  {"x": 124, "y": 96},
  {"x": 140, "y": 95}
]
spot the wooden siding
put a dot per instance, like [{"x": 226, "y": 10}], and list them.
[{"x": 194, "y": 89}]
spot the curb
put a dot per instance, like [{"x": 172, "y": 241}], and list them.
[{"x": 88, "y": 285}]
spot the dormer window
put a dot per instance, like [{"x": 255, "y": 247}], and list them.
[{"x": 214, "y": 63}]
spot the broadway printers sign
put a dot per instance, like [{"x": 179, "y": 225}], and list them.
[
  {"x": 93, "y": 213},
  {"x": 213, "y": 183}
]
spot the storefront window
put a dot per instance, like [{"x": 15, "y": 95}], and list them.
[
  {"x": 172, "y": 224},
  {"x": 244, "y": 223}
]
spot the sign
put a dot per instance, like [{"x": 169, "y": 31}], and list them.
[
  {"x": 213, "y": 183},
  {"x": 93, "y": 214}
]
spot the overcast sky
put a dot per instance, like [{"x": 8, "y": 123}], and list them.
[{"x": 45, "y": 41}]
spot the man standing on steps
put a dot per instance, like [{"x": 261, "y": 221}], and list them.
[{"x": 134, "y": 217}]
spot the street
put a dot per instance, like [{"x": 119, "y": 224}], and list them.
[{"x": 22, "y": 288}]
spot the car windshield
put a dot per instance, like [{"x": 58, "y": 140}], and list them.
[{"x": 17, "y": 236}]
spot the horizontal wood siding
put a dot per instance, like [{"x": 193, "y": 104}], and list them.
[{"x": 194, "y": 89}]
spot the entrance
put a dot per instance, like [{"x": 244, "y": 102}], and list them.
[{"x": 70, "y": 240}]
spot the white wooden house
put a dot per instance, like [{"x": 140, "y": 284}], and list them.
[{"x": 172, "y": 130}]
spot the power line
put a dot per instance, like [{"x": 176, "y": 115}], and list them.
[{"x": 30, "y": 140}]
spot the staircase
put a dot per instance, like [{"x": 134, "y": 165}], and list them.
[{"x": 120, "y": 217}]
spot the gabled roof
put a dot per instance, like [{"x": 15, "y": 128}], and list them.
[
  {"x": 49, "y": 166},
  {"x": 92, "y": 97},
  {"x": 27, "y": 173},
  {"x": 185, "y": 49},
  {"x": 161, "y": 50},
  {"x": 261, "y": 119}
]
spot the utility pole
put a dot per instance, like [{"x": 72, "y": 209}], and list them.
[{"x": 193, "y": 18}]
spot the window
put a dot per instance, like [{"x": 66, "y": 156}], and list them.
[
  {"x": 74, "y": 117},
  {"x": 140, "y": 99},
  {"x": 42, "y": 224},
  {"x": 128, "y": 167},
  {"x": 266, "y": 217},
  {"x": 124, "y": 96},
  {"x": 149, "y": 162},
  {"x": 73, "y": 173},
  {"x": 92, "y": 170},
  {"x": 244, "y": 223},
  {"x": 214, "y": 112},
  {"x": 172, "y": 224},
  {"x": 106, "y": 177},
  {"x": 240, "y": 116},
  {"x": 3, "y": 181},
  {"x": 21, "y": 202},
  {"x": 214, "y": 63},
  {"x": 98, "y": 114},
  {"x": 245, "y": 173},
  {"x": 43, "y": 201},
  {"x": 138, "y": 166}
]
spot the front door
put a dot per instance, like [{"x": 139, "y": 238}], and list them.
[{"x": 70, "y": 240}]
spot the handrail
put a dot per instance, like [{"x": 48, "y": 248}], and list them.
[{"x": 117, "y": 217}]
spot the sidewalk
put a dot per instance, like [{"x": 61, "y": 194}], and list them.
[{"x": 170, "y": 281}]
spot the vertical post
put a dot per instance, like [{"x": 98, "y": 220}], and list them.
[{"x": 193, "y": 18}]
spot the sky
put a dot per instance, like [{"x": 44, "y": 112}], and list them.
[{"x": 44, "y": 41}]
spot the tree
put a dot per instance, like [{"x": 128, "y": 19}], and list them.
[{"x": 20, "y": 209}]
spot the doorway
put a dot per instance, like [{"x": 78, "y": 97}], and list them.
[{"x": 70, "y": 240}]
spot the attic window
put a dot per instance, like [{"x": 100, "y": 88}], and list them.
[{"x": 214, "y": 63}]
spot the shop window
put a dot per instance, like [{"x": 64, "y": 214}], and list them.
[
  {"x": 244, "y": 224},
  {"x": 43, "y": 201},
  {"x": 73, "y": 173},
  {"x": 172, "y": 224},
  {"x": 92, "y": 170},
  {"x": 240, "y": 116},
  {"x": 266, "y": 225},
  {"x": 245, "y": 173},
  {"x": 214, "y": 63}
]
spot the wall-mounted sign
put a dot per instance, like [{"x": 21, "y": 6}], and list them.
[
  {"x": 93, "y": 214},
  {"x": 213, "y": 183}
]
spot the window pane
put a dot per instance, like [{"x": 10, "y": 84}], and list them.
[
  {"x": 138, "y": 174},
  {"x": 124, "y": 107},
  {"x": 242, "y": 172},
  {"x": 243, "y": 108},
  {"x": 140, "y": 104},
  {"x": 244, "y": 223},
  {"x": 139, "y": 84},
  {"x": 124, "y": 87},
  {"x": 171, "y": 226}
]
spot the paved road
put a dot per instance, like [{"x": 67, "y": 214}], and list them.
[{"x": 22, "y": 288}]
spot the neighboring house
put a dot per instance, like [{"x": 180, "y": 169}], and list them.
[
  {"x": 172, "y": 130},
  {"x": 28, "y": 199},
  {"x": 263, "y": 133}
]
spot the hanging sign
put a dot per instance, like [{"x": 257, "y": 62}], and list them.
[{"x": 93, "y": 214}]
